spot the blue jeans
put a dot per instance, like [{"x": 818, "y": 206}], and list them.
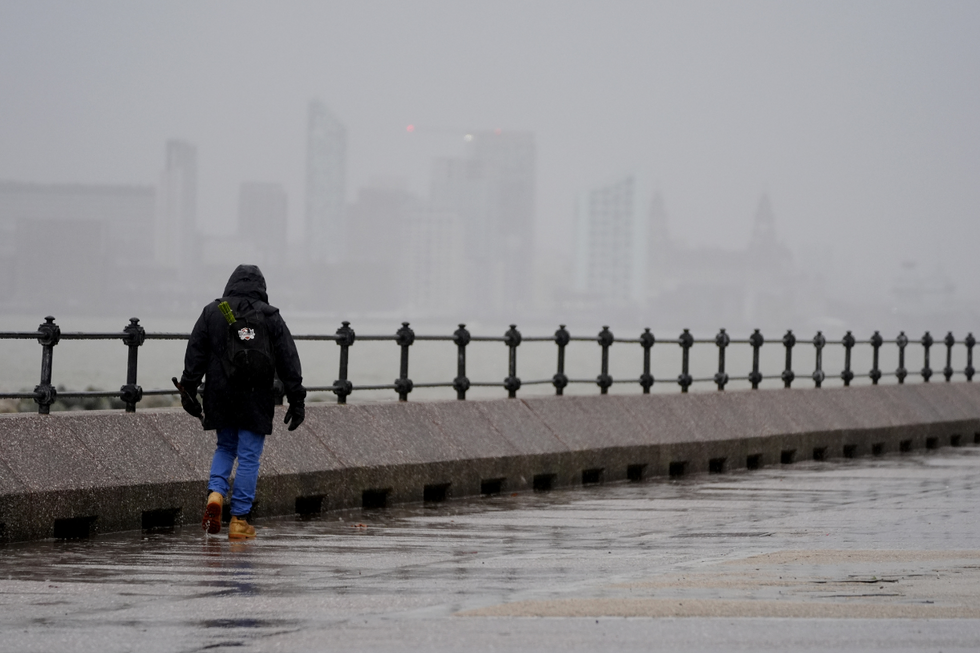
[{"x": 247, "y": 447}]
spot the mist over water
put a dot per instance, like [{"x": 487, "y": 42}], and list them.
[{"x": 696, "y": 165}]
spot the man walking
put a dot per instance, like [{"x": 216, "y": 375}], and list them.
[{"x": 239, "y": 344}]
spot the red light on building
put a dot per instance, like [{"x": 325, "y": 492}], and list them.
[{"x": 410, "y": 129}]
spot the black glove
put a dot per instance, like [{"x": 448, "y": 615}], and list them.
[
  {"x": 295, "y": 415},
  {"x": 191, "y": 405},
  {"x": 188, "y": 399}
]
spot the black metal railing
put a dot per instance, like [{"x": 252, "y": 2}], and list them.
[{"x": 133, "y": 336}]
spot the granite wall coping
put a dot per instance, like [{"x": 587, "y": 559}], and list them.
[{"x": 83, "y": 461}]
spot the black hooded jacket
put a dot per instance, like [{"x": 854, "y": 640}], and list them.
[{"x": 223, "y": 407}]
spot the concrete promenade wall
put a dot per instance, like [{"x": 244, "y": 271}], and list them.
[{"x": 68, "y": 474}]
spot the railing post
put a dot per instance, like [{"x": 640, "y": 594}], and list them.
[
  {"x": 559, "y": 380},
  {"x": 461, "y": 384},
  {"x": 721, "y": 378},
  {"x": 45, "y": 394},
  {"x": 646, "y": 379},
  {"x": 847, "y": 374},
  {"x": 876, "y": 341},
  {"x": 969, "y": 342},
  {"x": 902, "y": 341},
  {"x": 926, "y": 344},
  {"x": 755, "y": 377},
  {"x": 818, "y": 342},
  {"x": 605, "y": 340},
  {"x": 404, "y": 337},
  {"x": 134, "y": 337},
  {"x": 342, "y": 387},
  {"x": 949, "y": 340},
  {"x": 686, "y": 341},
  {"x": 789, "y": 341},
  {"x": 512, "y": 339}
]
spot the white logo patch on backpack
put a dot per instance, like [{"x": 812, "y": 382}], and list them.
[{"x": 246, "y": 334}]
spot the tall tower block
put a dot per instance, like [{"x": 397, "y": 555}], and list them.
[
  {"x": 175, "y": 230},
  {"x": 326, "y": 179}
]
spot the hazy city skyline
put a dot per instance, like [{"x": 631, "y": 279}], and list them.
[{"x": 855, "y": 118}]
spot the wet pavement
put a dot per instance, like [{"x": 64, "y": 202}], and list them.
[{"x": 870, "y": 554}]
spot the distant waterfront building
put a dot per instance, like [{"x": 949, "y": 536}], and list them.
[
  {"x": 612, "y": 242},
  {"x": 326, "y": 179},
  {"x": 754, "y": 286},
  {"x": 490, "y": 191},
  {"x": 625, "y": 258},
  {"x": 73, "y": 245},
  {"x": 376, "y": 276},
  {"x": 263, "y": 220},
  {"x": 176, "y": 243},
  {"x": 659, "y": 250},
  {"x": 436, "y": 259}
]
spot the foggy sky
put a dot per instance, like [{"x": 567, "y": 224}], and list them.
[{"x": 861, "y": 120}]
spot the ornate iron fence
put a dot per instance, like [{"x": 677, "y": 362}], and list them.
[{"x": 133, "y": 336}]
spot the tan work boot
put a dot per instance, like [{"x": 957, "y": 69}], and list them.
[
  {"x": 239, "y": 529},
  {"x": 212, "y": 514}
]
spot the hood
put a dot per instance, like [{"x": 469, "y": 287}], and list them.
[{"x": 247, "y": 281}]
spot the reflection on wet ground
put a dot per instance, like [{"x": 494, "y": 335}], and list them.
[{"x": 794, "y": 541}]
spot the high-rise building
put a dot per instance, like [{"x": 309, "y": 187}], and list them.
[
  {"x": 490, "y": 190},
  {"x": 376, "y": 271},
  {"x": 262, "y": 221},
  {"x": 436, "y": 259},
  {"x": 326, "y": 179},
  {"x": 612, "y": 242},
  {"x": 659, "y": 253},
  {"x": 176, "y": 242}
]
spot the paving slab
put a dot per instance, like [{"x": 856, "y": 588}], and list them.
[
  {"x": 130, "y": 444},
  {"x": 194, "y": 445},
  {"x": 301, "y": 451},
  {"x": 521, "y": 427},
  {"x": 44, "y": 455}
]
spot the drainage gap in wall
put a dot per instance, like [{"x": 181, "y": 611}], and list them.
[
  {"x": 3, "y": 532},
  {"x": 820, "y": 453},
  {"x": 716, "y": 466},
  {"x": 850, "y": 450},
  {"x": 375, "y": 498},
  {"x": 163, "y": 519},
  {"x": 905, "y": 446},
  {"x": 544, "y": 482},
  {"x": 956, "y": 440},
  {"x": 490, "y": 486},
  {"x": 976, "y": 438},
  {"x": 592, "y": 476},
  {"x": 435, "y": 493},
  {"x": 878, "y": 449},
  {"x": 754, "y": 461},
  {"x": 677, "y": 468},
  {"x": 932, "y": 443},
  {"x": 74, "y": 528},
  {"x": 787, "y": 456},
  {"x": 635, "y": 472},
  {"x": 309, "y": 505}
]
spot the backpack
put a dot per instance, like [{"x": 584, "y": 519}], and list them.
[{"x": 249, "y": 361}]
